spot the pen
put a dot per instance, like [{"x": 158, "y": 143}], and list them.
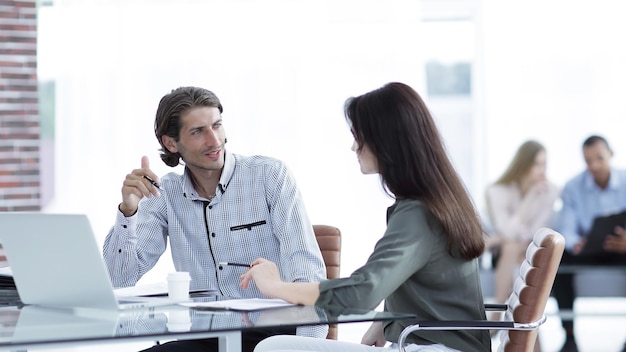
[
  {"x": 153, "y": 182},
  {"x": 234, "y": 264}
]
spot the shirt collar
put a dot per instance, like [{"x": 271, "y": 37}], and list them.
[
  {"x": 227, "y": 174},
  {"x": 229, "y": 169},
  {"x": 590, "y": 183}
]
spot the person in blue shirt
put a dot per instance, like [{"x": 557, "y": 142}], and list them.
[{"x": 598, "y": 191}]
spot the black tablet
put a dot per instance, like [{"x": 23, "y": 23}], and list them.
[{"x": 602, "y": 226}]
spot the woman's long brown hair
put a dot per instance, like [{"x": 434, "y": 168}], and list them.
[{"x": 396, "y": 125}]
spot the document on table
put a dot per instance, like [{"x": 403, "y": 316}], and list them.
[{"x": 240, "y": 305}]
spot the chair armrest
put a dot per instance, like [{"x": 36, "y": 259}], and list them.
[
  {"x": 496, "y": 307},
  {"x": 462, "y": 325},
  {"x": 467, "y": 325}
]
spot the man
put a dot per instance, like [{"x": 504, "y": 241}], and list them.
[
  {"x": 223, "y": 208},
  {"x": 598, "y": 191}
]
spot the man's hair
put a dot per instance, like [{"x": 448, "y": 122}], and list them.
[
  {"x": 592, "y": 140},
  {"x": 168, "y": 116},
  {"x": 395, "y": 124}
]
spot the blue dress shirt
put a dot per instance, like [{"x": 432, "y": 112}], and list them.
[{"x": 583, "y": 201}]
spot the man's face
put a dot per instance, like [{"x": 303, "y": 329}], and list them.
[
  {"x": 597, "y": 157},
  {"x": 201, "y": 139}
]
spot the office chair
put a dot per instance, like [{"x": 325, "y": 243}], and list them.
[
  {"x": 329, "y": 241},
  {"x": 525, "y": 307}
]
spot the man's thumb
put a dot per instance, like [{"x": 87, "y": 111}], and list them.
[{"x": 145, "y": 163}]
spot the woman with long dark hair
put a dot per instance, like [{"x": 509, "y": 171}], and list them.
[{"x": 426, "y": 261}]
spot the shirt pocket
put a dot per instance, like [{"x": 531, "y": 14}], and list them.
[
  {"x": 248, "y": 226},
  {"x": 249, "y": 240}
]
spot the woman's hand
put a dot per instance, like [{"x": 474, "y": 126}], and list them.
[
  {"x": 265, "y": 275},
  {"x": 539, "y": 187},
  {"x": 374, "y": 336},
  {"x": 267, "y": 279}
]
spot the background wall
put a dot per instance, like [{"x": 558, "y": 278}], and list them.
[
  {"x": 554, "y": 71},
  {"x": 19, "y": 118},
  {"x": 282, "y": 81}
]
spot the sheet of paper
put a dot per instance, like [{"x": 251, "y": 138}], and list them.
[{"x": 244, "y": 305}]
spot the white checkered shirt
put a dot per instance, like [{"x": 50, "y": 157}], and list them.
[{"x": 257, "y": 212}]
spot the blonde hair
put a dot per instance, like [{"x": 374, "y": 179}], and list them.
[{"x": 522, "y": 162}]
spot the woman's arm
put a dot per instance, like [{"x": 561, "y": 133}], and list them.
[
  {"x": 267, "y": 279},
  {"x": 406, "y": 247}
]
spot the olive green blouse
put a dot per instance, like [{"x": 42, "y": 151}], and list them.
[{"x": 413, "y": 272}]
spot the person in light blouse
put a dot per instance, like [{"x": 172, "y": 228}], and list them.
[{"x": 519, "y": 203}]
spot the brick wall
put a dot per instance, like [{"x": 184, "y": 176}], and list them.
[{"x": 20, "y": 186}]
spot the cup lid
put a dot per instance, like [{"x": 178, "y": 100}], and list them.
[{"x": 179, "y": 275}]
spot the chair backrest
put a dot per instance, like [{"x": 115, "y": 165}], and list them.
[
  {"x": 329, "y": 241},
  {"x": 532, "y": 288}
]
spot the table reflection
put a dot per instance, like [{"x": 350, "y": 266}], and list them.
[{"x": 31, "y": 325}]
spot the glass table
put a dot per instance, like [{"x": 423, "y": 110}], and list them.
[{"x": 32, "y": 326}]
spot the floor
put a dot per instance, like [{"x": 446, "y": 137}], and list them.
[{"x": 600, "y": 327}]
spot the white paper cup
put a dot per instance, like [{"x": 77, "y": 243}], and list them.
[{"x": 178, "y": 285}]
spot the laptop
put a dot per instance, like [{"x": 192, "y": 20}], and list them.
[
  {"x": 56, "y": 262},
  {"x": 602, "y": 226}
]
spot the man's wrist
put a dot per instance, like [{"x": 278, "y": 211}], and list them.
[{"x": 127, "y": 213}]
